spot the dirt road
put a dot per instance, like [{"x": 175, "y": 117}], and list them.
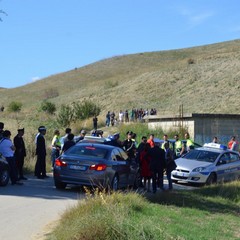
[{"x": 27, "y": 210}]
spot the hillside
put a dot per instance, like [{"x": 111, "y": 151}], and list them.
[{"x": 204, "y": 79}]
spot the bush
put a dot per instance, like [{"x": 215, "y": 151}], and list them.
[
  {"x": 65, "y": 116},
  {"x": 15, "y": 107},
  {"x": 48, "y": 107}
]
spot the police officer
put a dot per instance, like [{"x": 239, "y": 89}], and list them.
[
  {"x": 178, "y": 147},
  {"x": 189, "y": 142},
  {"x": 129, "y": 145},
  {"x": 40, "y": 167}
]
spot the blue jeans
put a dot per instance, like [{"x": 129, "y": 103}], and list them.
[
  {"x": 12, "y": 169},
  {"x": 168, "y": 172},
  {"x": 54, "y": 155}
]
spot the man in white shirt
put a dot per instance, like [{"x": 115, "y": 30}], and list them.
[{"x": 7, "y": 149}]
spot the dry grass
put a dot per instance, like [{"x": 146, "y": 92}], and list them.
[{"x": 163, "y": 80}]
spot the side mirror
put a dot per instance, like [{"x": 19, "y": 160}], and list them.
[{"x": 221, "y": 162}]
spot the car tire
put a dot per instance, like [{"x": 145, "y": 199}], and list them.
[
  {"x": 4, "y": 176},
  {"x": 212, "y": 179},
  {"x": 59, "y": 185},
  {"x": 115, "y": 183}
]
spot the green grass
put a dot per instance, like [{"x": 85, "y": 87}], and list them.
[{"x": 206, "y": 213}]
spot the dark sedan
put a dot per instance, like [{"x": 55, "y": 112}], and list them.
[{"x": 97, "y": 165}]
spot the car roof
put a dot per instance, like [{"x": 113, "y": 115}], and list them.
[
  {"x": 99, "y": 145},
  {"x": 93, "y": 139}
]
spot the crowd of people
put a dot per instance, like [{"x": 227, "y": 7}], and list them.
[
  {"x": 153, "y": 156},
  {"x": 126, "y": 116}
]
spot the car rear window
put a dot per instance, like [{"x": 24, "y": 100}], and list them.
[
  {"x": 204, "y": 156},
  {"x": 87, "y": 151}
]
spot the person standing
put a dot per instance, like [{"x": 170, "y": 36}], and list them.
[
  {"x": 95, "y": 122},
  {"x": 215, "y": 140},
  {"x": 1, "y": 130},
  {"x": 63, "y": 139},
  {"x": 20, "y": 153},
  {"x": 7, "y": 149},
  {"x": 178, "y": 147},
  {"x": 56, "y": 146},
  {"x": 69, "y": 143},
  {"x": 170, "y": 164},
  {"x": 146, "y": 173},
  {"x": 189, "y": 142},
  {"x": 40, "y": 167},
  {"x": 233, "y": 144},
  {"x": 108, "y": 116},
  {"x": 129, "y": 146},
  {"x": 151, "y": 140},
  {"x": 157, "y": 165},
  {"x": 81, "y": 136}
]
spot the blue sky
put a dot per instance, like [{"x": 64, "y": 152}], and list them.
[{"x": 42, "y": 38}]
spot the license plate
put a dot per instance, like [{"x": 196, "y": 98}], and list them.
[
  {"x": 76, "y": 167},
  {"x": 181, "y": 174}
]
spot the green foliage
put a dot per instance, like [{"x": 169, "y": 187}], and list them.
[
  {"x": 48, "y": 107},
  {"x": 77, "y": 111},
  {"x": 111, "y": 84},
  {"x": 208, "y": 213},
  {"x": 15, "y": 106},
  {"x": 65, "y": 115},
  {"x": 85, "y": 110}
]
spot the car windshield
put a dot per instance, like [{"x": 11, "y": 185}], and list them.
[
  {"x": 87, "y": 151},
  {"x": 202, "y": 155}
]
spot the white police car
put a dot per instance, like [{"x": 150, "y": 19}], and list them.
[{"x": 209, "y": 164}]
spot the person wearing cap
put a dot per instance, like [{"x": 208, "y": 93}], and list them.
[
  {"x": 40, "y": 167},
  {"x": 129, "y": 145},
  {"x": 56, "y": 146},
  {"x": 7, "y": 149},
  {"x": 81, "y": 136},
  {"x": 20, "y": 152}
]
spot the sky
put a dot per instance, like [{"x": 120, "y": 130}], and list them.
[{"x": 46, "y": 37}]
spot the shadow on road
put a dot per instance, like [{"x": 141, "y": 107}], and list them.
[{"x": 40, "y": 188}]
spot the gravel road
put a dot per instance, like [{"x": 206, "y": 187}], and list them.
[{"x": 28, "y": 211}]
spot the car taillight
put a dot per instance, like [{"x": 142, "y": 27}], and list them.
[
  {"x": 98, "y": 167},
  {"x": 60, "y": 163}
]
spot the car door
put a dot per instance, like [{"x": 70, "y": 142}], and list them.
[
  {"x": 132, "y": 166},
  {"x": 234, "y": 166},
  {"x": 121, "y": 167},
  {"x": 222, "y": 167}
]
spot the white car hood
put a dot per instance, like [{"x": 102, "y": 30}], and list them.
[{"x": 187, "y": 164}]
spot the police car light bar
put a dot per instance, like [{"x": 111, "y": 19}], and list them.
[{"x": 215, "y": 145}]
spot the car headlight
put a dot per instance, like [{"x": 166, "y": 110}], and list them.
[{"x": 199, "y": 169}]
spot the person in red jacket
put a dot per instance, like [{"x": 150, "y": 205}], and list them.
[{"x": 145, "y": 167}]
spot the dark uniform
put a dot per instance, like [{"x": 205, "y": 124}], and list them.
[
  {"x": 157, "y": 165},
  {"x": 40, "y": 167},
  {"x": 130, "y": 148},
  {"x": 20, "y": 152}
]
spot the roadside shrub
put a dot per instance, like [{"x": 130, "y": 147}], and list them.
[
  {"x": 191, "y": 61},
  {"x": 15, "y": 107},
  {"x": 48, "y": 107},
  {"x": 65, "y": 115}
]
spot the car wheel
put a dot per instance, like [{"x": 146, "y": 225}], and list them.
[
  {"x": 115, "y": 183},
  {"x": 211, "y": 179},
  {"x": 4, "y": 177},
  {"x": 60, "y": 185}
]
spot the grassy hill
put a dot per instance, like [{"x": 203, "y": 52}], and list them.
[{"x": 204, "y": 79}]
